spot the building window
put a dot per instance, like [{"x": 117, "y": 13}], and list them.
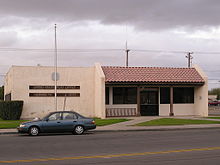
[
  {"x": 183, "y": 95},
  {"x": 124, "y": 95},
  {"x": 165, "y": 95},
  {"x": 107, "y": 95}
]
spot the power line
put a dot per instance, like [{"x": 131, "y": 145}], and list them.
[
  {"x": 60, "y": 50},
  {"x": 212, "y": 71},
  {"x": 101, "y": 50},
  {"x": 158, "y": 51},
  {"x": 214, "y": 79}
]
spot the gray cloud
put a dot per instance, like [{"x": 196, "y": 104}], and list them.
[
  {"x": 143, "y": 14},
  {"x": 8, "y": 38},
  {"x": 86, "y": 24}
]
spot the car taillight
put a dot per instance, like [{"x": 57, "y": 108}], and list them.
[{"x": 93, "y": 122}]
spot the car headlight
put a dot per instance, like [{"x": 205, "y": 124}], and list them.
[{"x": 22, "y": 125}]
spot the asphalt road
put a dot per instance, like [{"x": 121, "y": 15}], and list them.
[{"x": 118, "y": 148}]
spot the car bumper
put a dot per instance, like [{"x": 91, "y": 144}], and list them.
[
  {"x": 22, "y": 130},
  {"x": 90, "y": 127}
]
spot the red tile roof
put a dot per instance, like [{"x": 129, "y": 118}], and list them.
[{"x": 151, "y": 75}]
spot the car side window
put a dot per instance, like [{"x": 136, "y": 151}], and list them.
[
  {"x": 69, "y": 116},
  {"x": 55, "y": 116}
]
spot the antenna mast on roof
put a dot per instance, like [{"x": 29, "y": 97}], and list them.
[
  {"x": 190, "y": 57},
  {"x": 126, "y": 49}
]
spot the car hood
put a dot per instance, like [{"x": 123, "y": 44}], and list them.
[{"x": 30, "y": 122}]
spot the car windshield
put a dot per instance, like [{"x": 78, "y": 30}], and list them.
[{"x": 46, "y": 117}]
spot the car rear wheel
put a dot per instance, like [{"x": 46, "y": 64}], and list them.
[
  {"x": 34, "y": 131},
  {"x": 79, "y": 130}
]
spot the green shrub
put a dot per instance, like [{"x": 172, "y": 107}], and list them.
[
  {"x": 11, "y": 110},
  {"x": 2, "y": 93}
]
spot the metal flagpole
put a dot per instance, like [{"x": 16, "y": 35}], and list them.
[{"x": 55, "y": 67}]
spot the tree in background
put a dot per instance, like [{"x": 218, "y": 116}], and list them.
[
  {"x": 2, "y": 93},
  {"x": 215, "y": 91}
]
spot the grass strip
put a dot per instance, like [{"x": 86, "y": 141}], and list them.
[
  {"x": 172, "y": 121},
  {"x": 103, "y": 122},
  {"x": 213, "y": 117},
  {"x": 5, "y": 124}
]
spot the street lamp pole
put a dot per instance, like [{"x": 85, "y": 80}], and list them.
[{"x": 55, "y": 67}]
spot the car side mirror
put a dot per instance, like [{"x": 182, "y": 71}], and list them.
[{"x": 46, "y": 119}]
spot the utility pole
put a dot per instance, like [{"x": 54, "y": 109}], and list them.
[
  {"x": 126, "y": 51},
  {"x": 55, "y": 66},
  {"x": 189, "y": 57}
]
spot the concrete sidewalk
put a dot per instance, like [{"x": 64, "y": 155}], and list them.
[{"x": 128, "y": 125}]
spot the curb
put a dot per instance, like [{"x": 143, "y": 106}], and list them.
[
  {"x": 156, "y": 129},
  {"x": 135, "y": 130},
  {"x": 6, "y": 133}
]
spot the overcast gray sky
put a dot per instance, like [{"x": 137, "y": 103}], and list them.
[{"x": 169, "y": 25}]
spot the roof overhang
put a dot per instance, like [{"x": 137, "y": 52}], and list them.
[
  {"x": 152, "y": 76},
  {"x": 154, "y": 84}
]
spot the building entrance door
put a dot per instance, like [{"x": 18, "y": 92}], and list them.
[{"x": 149, "y": 102}]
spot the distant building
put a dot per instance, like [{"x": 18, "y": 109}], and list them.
[{"x": 108, "y": 91}]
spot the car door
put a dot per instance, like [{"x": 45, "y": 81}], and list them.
[
  {"x": 53, "y": 123},
  {"x": 69, "y": 121}
]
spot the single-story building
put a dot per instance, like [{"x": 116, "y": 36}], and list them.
[{"x": 109, "y": 91}]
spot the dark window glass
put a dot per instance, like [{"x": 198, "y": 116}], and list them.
[
  {"x": 165, "y": 95},
  {"x": 183, "y": 95},
  {"x": 107, "y": 95},
  {"x": 55, "y": 116},
  {"x": 124, "y": 95},
  {"x": 69, "y": 116}
]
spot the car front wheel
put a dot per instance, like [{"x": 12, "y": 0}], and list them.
[
  {"x": 78, "y": 130},
  {"x": 34, "y": 131}
]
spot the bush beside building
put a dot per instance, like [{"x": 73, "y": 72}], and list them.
[
  {"x": 11, "y": 110},
  {"x": 2, "y": 93}
]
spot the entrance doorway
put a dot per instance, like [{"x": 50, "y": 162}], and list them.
[{"x": 149, "y": 102}]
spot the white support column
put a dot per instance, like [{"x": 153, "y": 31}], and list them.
[{"x": 110, "y": 95}]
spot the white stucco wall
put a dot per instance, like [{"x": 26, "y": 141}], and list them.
[
  {"x": 99, "y": 96},
  {"x": 8, "y": 84},
  {"x": 19, "y": 78},
  {"x": 201, "y": 95},
  {"x": 178, "y": 109}
]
